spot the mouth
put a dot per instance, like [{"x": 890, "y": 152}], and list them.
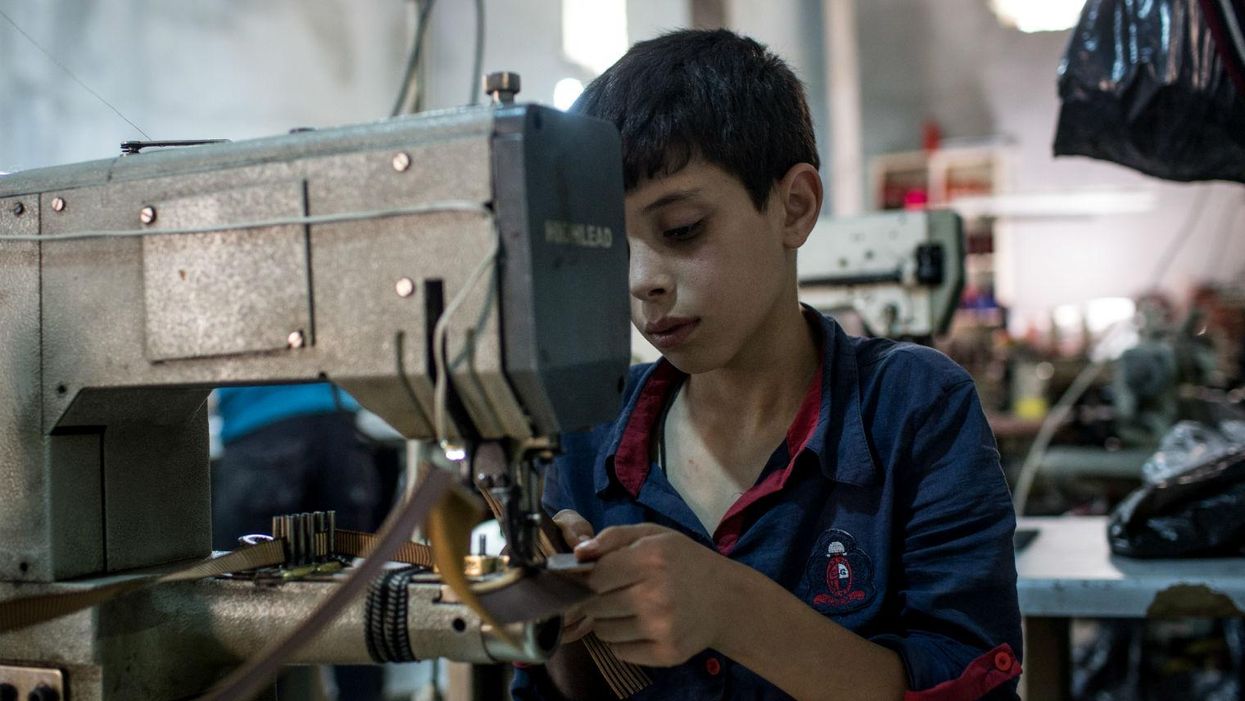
[{"x": 671, "y": 331}]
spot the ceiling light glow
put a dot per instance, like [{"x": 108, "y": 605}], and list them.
[
  {"x": 594, "y": 32},
  {"x": 565, "y": 92},
  {"x": 1038, "y": 15}
]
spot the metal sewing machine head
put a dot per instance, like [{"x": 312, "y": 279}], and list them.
[{"x": 462, "y": 274}]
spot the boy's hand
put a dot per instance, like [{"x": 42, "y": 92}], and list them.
[
  {"x": 575, "y": 530},
  {"x": 660, "y": 595}
]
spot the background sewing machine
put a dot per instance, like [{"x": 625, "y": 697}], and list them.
[
  {"x": 901, "y": 272},
  {"x": 130, "y": 287}
]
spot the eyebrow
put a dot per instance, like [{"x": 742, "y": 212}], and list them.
[{"x": 671, "y": 198}]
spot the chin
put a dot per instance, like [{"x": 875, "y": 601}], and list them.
[{"x": 690, "y": 362}]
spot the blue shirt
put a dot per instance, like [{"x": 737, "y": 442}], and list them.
[
  {"x": 244, "y": 410},
  {"x": 885, "y": 510}
]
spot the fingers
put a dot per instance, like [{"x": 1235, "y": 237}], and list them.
[
  {"x": 645, "y": 556},
  {"x": 620, "y": 603},
  {"x": 650, "y": 653},
  {"x": 575, "y": 626},
  {"x": 642, "y": 652},
  {"x": 575, "y": 528},
  {"x": 619, "y": 630},
  {"x": 616, "y": 572},
  {"x": 632, "y": 614},
  {"x": 615, "y": 538}
]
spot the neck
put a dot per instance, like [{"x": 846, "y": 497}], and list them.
[{"x": 767, "y": 380}]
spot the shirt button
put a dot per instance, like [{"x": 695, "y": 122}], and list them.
[
  {"x": 1003, "y": 661},
  {"x": 713, "y": 666}
]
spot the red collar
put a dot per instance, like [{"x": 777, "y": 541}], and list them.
[{"x": 632, "y": 461}]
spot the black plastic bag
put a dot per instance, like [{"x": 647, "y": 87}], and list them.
[
  {"x": 1199, "y": 512},
  {"x": 1146, "y": 84}
]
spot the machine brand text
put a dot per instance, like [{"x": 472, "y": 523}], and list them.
[{"x": 584, "y": 235}]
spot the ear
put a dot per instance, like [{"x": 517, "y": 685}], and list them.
[{"x": 799, "y": 199}]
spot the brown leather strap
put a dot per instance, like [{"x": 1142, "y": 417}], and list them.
[
  {"x": 624, "y": 679},
  {"x": 359, "y": 544},
  {"x": 247, "y": 681},
  {"x": 31, "y": 610}
]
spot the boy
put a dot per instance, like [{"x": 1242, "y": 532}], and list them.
[{"x": 870, "y": 554}]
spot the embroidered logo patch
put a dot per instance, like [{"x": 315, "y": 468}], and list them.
[{"x": 839, "y": 575}]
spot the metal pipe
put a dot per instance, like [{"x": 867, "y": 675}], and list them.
[{"x": 242, "y": 618}]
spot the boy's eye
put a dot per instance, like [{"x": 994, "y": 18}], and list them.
[{"x": 682, "y": 233}]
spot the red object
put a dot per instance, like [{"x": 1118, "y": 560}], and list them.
[
  {"x": 931, "y": 135},
  {"x": 632, "y": 464},
  {"x": 916, "y": 198},
  {"x": 983, "y": 674},
  {"x": 713, "y": 667}
]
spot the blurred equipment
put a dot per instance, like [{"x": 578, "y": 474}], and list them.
[
  {"x": 902, "y": 272},
  {"x": 1157, "y": 86},
  {"x": 462, "y": 274},
  {"x": 1153, "y": 384},
  {"x": 1148, "y": 376}
]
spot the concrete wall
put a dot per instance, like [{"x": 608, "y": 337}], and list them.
[
  {"x": 239, "y": 69},
  {"x": 180, "y": 70},
  {"x": 244, "y": 68},
  {"x": 524, "y": 37}
]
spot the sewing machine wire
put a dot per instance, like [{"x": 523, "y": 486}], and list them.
[
  {"x": 249, "y": 679},
  {"x": 359, "y": 215},
  {"x": 441, "y": 388}
]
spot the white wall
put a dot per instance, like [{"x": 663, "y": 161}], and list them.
[
  {"x": 951, "y": 61},
  {"x": 523, "y": 36},
  {"x": 245, "y": 68},
  {"x": 239, "y": 69},
  {"x": 1052, "y": 261},
  {"x": 183, "y": 69}
]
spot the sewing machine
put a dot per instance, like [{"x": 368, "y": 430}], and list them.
[
  {"x": 902, "y": 272},
  {"x": 131, "y": 287}
]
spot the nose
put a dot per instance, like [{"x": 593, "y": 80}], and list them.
[{"x": 649, "y": 278}]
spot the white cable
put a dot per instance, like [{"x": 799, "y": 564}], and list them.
[
  {"x": 441, "y": 388},
  {"x": 1058, "y": 414},
  {"x": 1055, "y": 419},
  {"x": 427, "y": 208}
]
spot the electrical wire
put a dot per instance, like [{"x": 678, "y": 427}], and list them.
[
  {"x": 249, "y": 679},
  {"x": 1225, "y": 262},
  {"x": 410, "y": 97},
  {"x": 1085, "y": 379},
  {"x": 1182, "y": 236},
  {"x": 1231, "y": 213},
  {"x": 1058, "y": 414},
  {"x": 361, "y": 215},
  {"x": 477, "y": 69},
  {"x": 440, "y": 416},
  {"x": 72, "y": 76}
]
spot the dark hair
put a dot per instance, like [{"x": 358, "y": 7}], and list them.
[{"x": 714, "y": 94}]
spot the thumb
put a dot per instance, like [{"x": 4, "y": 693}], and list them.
[
  {"x": 616, "y": 538},
  {"x": 575, "y": 528}
]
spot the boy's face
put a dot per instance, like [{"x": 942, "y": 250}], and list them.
[{"x": 707, "y": 268}]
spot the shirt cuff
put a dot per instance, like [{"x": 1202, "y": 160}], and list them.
[{"x": 978, "y": 678}]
